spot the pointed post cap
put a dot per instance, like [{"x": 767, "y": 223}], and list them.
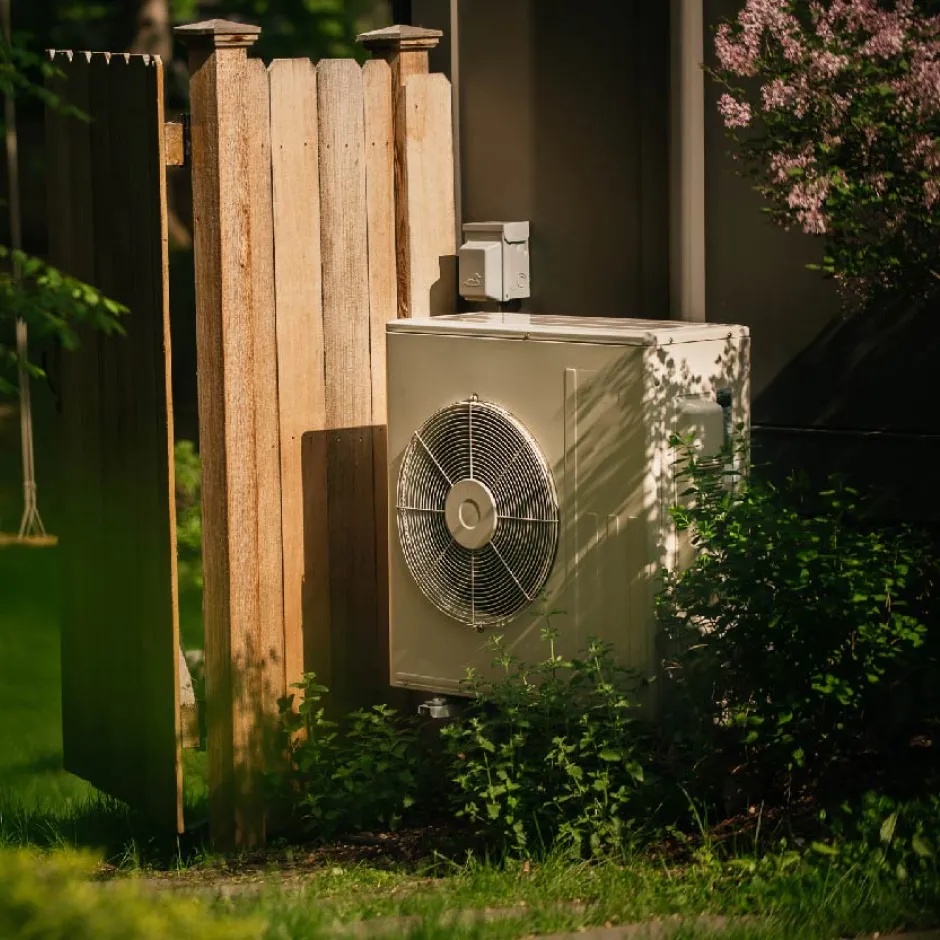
[
  {"x": 400, "y": 39},
  {"x": 218, "y": 34}
]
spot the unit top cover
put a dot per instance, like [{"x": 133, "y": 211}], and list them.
[{"x": 569, "y": 329}]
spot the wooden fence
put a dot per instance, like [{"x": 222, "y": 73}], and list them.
[{"x": 323, "y": 207}]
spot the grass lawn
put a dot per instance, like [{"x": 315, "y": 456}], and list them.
[{"x": 31, "y": 771}]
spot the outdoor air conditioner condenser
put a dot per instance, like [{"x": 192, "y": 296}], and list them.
[{"x": 531, "y": 476}]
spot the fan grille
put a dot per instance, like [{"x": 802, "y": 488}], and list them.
[{"x": 478, "y": 454}]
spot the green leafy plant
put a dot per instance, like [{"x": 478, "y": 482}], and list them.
[
  {"x": 898, "y": 838},
  {"x": 362, "y": 774},
  {"x": 792, "y": 626},
  {"x": 52, "y": 304},
  {"x": 19, "y": 67},
  {"x": 550, "y": 755},
  {"x": 188, "y": 515}
]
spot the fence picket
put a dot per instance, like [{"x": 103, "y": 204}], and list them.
[
  {"x": 429, "y": 246},
  {"x": 267, "y": 662},
  {"x": 299, "y": 294},
  {"x": 347, "y": 338},
  {"x": 383, "y": 306}
]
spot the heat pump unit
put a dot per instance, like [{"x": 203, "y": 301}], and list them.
[{"x": 530, "y": 471}]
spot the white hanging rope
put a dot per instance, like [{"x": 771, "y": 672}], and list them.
[{"x": 31, "y": 523}]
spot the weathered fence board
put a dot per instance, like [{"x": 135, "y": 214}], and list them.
[
  {"x": 70, "y": 212},
  {"x": 299, "y": 303},
  {"x": 406, "y": 50},
  {"x": 427, "y": 241},
  {"x": 266, "y": 662},
  {"x": 120, "y": 621},
  {"x": 347, "y": 339},
  {"x": 383, "y": 305},
  {"x": 380, "y": 209}
]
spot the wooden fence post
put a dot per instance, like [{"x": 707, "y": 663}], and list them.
[
  {"x": 424, "y": 171},
  {"x": 238, "y": 421}
]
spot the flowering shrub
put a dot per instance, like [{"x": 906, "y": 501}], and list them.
[{"x": 835, "y": 106}]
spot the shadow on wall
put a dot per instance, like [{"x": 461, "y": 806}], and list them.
[{"x": 861, "y": 399}]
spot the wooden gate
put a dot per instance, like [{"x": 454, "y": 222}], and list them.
[
  {"x": 323, "y": 207},
  {"x": 107, "y": 213}
]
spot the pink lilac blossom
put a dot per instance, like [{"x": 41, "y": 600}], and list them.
[
  {"x": 739, "y": 53},
  {"x": 777, "y": 95},
  {"x": 807, "y": 199},
  {"x": 736, "y": 113},
  {"x": 927, "y": 151},
  {"x": 792, "y": 47},
  {"x": 923, "y": 87},
  {"x": 827, "y": 65},
  {"x": 821, "y": 22},
  {"x": 841, "y": 104},
  {"x": 782, "y": 165},
  {"x": 808, "y": 195},
  {"x": 739, "y": 58},
  {"x": 931, "y": 192},
  {"x": 821, "y": 122},
  {"x": 887, "y": 42},
  {"x": 781, "y": 95},
  {"x": 813, "y": 221}
]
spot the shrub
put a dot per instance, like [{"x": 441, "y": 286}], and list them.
[
  {"x": 792, "y": 625},
  {"x": 362, "y": 774},
  {"x": 550, "y": 754},
  {"x": 835, "y": 112},
  {"x": 53, "y": 898}
]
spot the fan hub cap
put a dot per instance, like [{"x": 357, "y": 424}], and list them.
[{"x": 470, "y": 512}]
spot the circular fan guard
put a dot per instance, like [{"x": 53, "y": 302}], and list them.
[{"x": 477, "y": 513}]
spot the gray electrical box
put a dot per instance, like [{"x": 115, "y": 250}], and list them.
[{"x": 494, "y": 261}]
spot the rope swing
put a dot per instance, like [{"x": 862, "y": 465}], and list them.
[{"x": 31, "y": 531}]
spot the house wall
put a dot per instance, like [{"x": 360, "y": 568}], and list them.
[{"x": 564, "y": 121}]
